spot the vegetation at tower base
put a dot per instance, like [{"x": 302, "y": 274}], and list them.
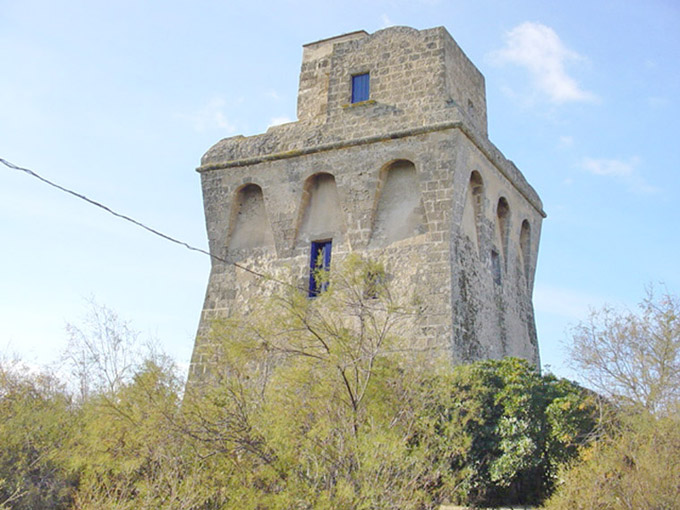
[
  {"x": 329, "y": 403},
  {"x": 634, "y": 465},
  {"x": 634, "y": 359},
  {"x": 36, "y": 422},
  {"x": 309, "y": 403},
  {"x": 129, "y": 452},
  {"x": 321, "y": 397},
  {"x": 506, "y": 430}
]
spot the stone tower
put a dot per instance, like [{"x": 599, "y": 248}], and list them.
[{"x": 389, "y": 158}]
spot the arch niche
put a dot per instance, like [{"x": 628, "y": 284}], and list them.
[
  {"x": 399, "y": 211},
  {"x": 249, "y": 222}
]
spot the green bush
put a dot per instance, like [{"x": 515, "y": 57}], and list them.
[
  {"x": 636, "y": 465},
  {"x": 36, "y": 421},
  {"x": 505, "y": 430}
]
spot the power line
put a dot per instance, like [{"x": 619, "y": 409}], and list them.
[{"x": 158, "y": 233}]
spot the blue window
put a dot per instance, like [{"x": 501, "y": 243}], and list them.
[
  {"x": 320, "y": 260},
  {"x": 360, "y": 88}
]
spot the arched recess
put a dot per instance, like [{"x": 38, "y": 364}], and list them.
[
  {"x": 399, "y": 210},
  {"x": 249, "y": 223},
  {"x": 321, "y": 216},
  {"x": 502, "y": 226},
  {"x": 472, "y": 213},
  {"x": 525, "y": 248}
]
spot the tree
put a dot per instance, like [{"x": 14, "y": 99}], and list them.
[
  {"x": 129, "y": 452},
  {"x": 329, "y": 403},
  {"x": 317, "y": 403},
  {"x": 632, "y": 359},
  {"x": 126, "y": 448},
  {"x": 504, "y": 430},
  {"x": 36, "y": 422},
  {"x": 635, "y": 465},
  {"x": 103, "y": 352},
  {"x": 311, "y": 402}
]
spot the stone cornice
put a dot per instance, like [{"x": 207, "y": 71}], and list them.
[{"x": 504, "y": 166}]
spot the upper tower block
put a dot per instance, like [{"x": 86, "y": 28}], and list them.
[{"x": 413, "y": 73}]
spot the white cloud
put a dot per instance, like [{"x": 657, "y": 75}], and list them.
[
  {"x": 613, "y": 167},
  {"x": 624, "y": 171},
  {"x": 211, "y": 116},
  {"x": 277, "y": 121},
  {"x": 386, "y": 21},
  {"x": 538, "y": 49}
]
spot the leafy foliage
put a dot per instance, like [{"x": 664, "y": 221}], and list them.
[
  {"x": 36, "y": 422},
  {"x": 314, "y": 401},
  {"x": 636, "y": 465},
  {"x": 129, "y": 453},
  {"x": 634, "y": 359},
  {"x": 319, "y": 403},
  {"x": 505, "y": 429}
]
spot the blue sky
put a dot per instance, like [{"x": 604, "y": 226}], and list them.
[{"x": 119, "y": 100}]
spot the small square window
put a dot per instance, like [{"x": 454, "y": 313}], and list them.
[
  {"x": 360, "y": 88},
  {"x": 319, "y": 260}
]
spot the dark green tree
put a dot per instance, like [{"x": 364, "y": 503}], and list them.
[{"x": 505, "y": 429}]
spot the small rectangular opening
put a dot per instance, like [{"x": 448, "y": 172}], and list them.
[
  {"x": 496, "y": 267},
  {"x": 319, "y": 262},
  {"x": 360, "y": 88}
]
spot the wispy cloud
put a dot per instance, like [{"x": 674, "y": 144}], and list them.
[
  {"x": 386, "y": 21},
  {"x": 211, "y": 116},
  {"x": 611, "y": 167},
  {"x": 277, "y": 121},
  {"x": 622, "y": 170},
  {"x": 539, "y": 50}
]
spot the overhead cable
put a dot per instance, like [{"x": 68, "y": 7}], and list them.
[{"x": 132, "y": 220}]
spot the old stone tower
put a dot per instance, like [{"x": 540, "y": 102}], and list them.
[{"x": 390, "y": 158}]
